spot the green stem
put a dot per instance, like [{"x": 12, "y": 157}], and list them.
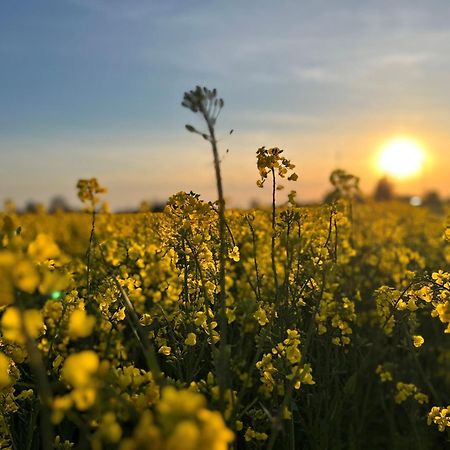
[
  {"x": 274, "y": 267},
  {"x": 223, "y": 368}
]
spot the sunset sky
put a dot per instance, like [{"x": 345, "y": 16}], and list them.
[{"x": 94, "y": 88}]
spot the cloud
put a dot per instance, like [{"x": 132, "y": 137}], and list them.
[
  {"x": 405, "y": 59},
  {"x": 130, "y": 10},
  {"x": 268, "y": 119}
]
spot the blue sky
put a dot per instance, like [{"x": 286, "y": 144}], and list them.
[{"x": 93, "y": 88}]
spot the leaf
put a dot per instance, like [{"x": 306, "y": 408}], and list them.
[{"x": 190, "y": 128}]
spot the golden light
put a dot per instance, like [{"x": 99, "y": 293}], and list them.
[{"x": 401, "y": 158}]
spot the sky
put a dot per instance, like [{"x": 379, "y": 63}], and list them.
[{"x": 93, "y": 88}]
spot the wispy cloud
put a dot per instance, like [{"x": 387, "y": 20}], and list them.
[
  {"x": 406, "y": 59},
  {"x": 130, "y": 10}
]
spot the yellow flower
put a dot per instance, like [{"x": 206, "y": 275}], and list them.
[
  {"x": 234, "y": 254},
  {"x": 119, "y": 315},
  {"x": 146, "y": 435},
  {"x": 165, "y": 350},
  {"x": 25, "y": 276},
  {"x": 79, "y": 368},
  {"x": 88, "y": 190},
  {"x": 12, "y": 324},
  {"x": 251, "y": 434},
  {"x": 287, "y": 415},
  {"x": 439, "y": 416},
  {"x": 191, "y": 339},
  {"x": 418, "y": 341},
  {"x": 84, "y": 398},
  {"x": 54, "y": 281},
  {"x": 293, "y": 354},
  {"x": 179, "y": 403},
  {"x": 43, "y": 248},
  {"x": 109, "y": 428},
  {"x": 426, "y": 294},
  {"x": 215, "y": 434},
  {"x": 80, "y": 324},
  {"x": 200, "y": 320},
  {"x": 447, "y": 234},
  {"x": 5, "y": 379},
  {"x": 384, "y": 374},
  {"x": 60, "y": 406},
  {"x": 6, "y": 286},
  {"x": 261, "y": 316},
  {"x": 185, "y": 436},
  {"x": 421, "y": 398}
]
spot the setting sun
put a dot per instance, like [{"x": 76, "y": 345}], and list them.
[{"x": 401, "y": 158}]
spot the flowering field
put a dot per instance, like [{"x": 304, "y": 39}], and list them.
[
  {"x": 200, "y": 328},
  {"x": 335, "y": 336}
]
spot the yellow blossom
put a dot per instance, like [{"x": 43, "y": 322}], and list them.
[
  {"x": 234, "y": 254},
  {"x": 25, "y": 276},
  {"x": 179, "y": 403},
  {"x": 251, "y": 434},
  {"x": 43, "y": 248},
  {"x": 191, "y": 339},
  {"x": 384, "y": 374},
  {"x": 418, "y": 341},
  {"x": 79, "y": 368},
  {"x": 80, "y": 324},
  {"x": 440, "y": 416},
  {"x": 214, "y": 433},
  {"x": 261, "y": 316},
  {"x": 12, "y": 325},
  {"x": 5, "y": 379},
  {"x": 84, "y": 397},
  {"x": 185, "y": 436},
  {"x": 60, "y": 406},
  {"x": 109, "y": 428},
  {"x": 119, "y": 315},
  {"x": 165, "y": 350}
]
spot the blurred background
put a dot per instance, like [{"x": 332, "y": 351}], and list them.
[{"x": 93, "y": 88}]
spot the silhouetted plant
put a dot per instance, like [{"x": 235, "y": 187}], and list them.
[{"x": 205, "y": 102}]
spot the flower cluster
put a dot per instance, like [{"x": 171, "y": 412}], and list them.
[{"x": 122, "y": 348}]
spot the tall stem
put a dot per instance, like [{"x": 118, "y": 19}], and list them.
[
  {"x": 89, "y": 253},
  {"x": 274, "y": 267},
  {"x": 222, "y": 363}
]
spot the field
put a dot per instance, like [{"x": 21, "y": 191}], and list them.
[
  {"x": 332, "y": 334},
  {"x": 177, "y": 273},
  {"x": 206, "y": 328}
]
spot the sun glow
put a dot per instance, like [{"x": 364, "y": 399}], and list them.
[{"x": 401, "y": 158}]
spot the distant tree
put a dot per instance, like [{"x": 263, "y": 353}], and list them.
[
  {"x": 158, "y": 206},
  {"x": 255, "y": 204},
  {"x": 384, "y": 191},
  {"x": 432, "y": 200},
  {"x": 149, "y": 206},
  {"x": 58, "y": 203},
  {"x": 32, "y": 207}
]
